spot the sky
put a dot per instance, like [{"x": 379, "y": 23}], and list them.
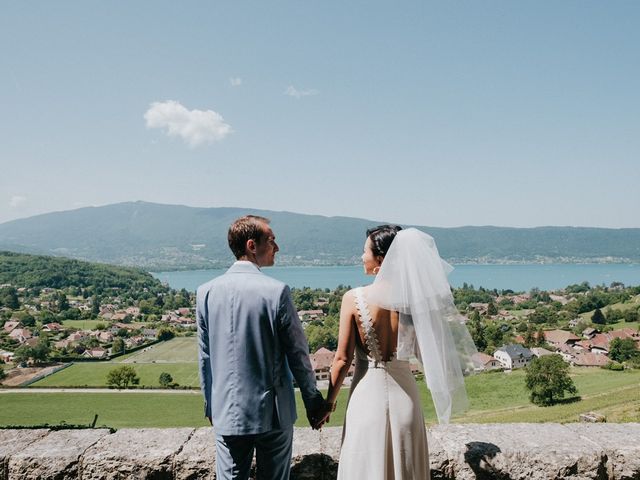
[{"x": 430, "y": 113}]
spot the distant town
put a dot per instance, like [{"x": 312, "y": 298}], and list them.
[{"x": 43, "y": 327}]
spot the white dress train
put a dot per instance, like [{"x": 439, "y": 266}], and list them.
[{"x": 384, "y": 436}]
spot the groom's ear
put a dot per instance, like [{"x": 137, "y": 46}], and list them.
[{"x": 250, "y": 246}]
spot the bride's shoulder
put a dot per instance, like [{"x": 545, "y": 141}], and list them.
[{"x": 349, "y": 296}]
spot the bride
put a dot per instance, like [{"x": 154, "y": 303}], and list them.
[{"x": 408, "y": 310}]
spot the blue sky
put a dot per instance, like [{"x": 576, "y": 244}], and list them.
[{"x": 441, "y": 114}]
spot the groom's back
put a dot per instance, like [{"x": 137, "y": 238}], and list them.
[{"x": 246, "y": 358}]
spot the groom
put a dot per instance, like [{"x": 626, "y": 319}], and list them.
[{"x": 250, "y": 341}]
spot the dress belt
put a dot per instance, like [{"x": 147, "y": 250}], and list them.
[{"x": 382, "y": 364}]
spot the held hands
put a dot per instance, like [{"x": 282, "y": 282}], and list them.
[{"x": 321, "y": 416}]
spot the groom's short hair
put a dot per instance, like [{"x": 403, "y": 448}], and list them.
[{"x": 244, "y": 229}]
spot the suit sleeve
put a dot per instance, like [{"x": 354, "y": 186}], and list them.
[
  {"x": 297, "y": 351},
  {"x": 204, "y": 363}
]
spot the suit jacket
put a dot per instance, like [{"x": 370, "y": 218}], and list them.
[{"x": 250, "y": 341}]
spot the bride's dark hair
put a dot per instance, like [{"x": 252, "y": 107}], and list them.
[{"x": 381, "y": 238}]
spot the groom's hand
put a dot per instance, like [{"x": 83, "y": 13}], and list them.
[{"x": 316, "y": 417}]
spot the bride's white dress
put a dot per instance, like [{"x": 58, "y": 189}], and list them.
[{"x": 384, "y": 436}]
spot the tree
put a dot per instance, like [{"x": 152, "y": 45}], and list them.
[
  {"x": 22, "y": 355},
  {"x": 530, "y": 337},
  {"x": 548, "y": 380},
  {"x": 492, "y": 309},
  {"x": 165, "y": 334},
  {"x": 598, "y": 317},
  {"x": 95, "y": 306},
  {"x": 9, "y": 298},
  {"x": 118, "y": 346},
  {"x": 40, "y": 352},
  {"x": 622, "y": 349},
  {"x": 165, "y": 380},
  {"x": 122, "y": 377},
  {"x": 61, "y": 302},
  {"x": 3, "y": 374},
  {"x": 540, "y": 338},
  {"x": 477, "y": 330}
]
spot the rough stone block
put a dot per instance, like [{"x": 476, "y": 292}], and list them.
[
  {"x": 439, "y": 462},
  {"x": 620, "y": 442},
  {"x": 520, "y": 452},
  {"x": 14, "y": 441},
  {"x": 147, "y": 453},
  {"x": 196, "y": 460},
  {"x": 55, "y": 456},
  {"x": 315, "y": 453}
]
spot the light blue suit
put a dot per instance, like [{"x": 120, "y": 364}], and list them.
[{"x": 250, "y": 342}]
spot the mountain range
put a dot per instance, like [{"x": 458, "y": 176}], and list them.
[{"x": 166, "y": 237}]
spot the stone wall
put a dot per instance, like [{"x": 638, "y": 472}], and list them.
[{"x": 499, "y": 451}]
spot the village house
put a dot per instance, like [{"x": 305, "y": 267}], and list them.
[
  {"x": 52, "y": 327},
  {"x": 182, "y": 321},
  {"x": 308, "y": 315},
  {"x": 6, "y": 357},
  {"x": 321, "y": 363},
  {"x": 118, "y": 326},
  {"x": 321, "y": 302},
  {"x": 568, "y": 352},
  {"x": 20, "y": 334},
  {"x": 560, "y": 337},
  {"x": 11, "y": 325},
  {"x": 482, "y": 361},
  {"x": 150, "y": 333},
  {"x": 587, "y": 359},
  {"x": 133, "y": 311},
  {"x": 559, "y": 298},
  {"x": 102, "y": 336},
  {"x": 513, "y": 356},
  {"x": 523, "y": 297},
  {"x": 135, "y": 341},
  {"x": 184, "y": 311},
  {"x": 95, "y": 353},
  {"x": 79, "y": 335},
  {"x": 479, "y": 307},
  {"x": 540, "y": 352},
  {"x": 118, "y": 316}
]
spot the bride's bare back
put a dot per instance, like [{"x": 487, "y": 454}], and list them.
[{"x": 384, "y": 323}]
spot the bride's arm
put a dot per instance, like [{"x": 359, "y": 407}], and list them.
[{"x": 346, "y": 346}]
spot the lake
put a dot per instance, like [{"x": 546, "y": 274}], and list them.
[{"x": 515, "y": 277}]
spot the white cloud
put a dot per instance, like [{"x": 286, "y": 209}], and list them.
[
  {"x": 294, "y": 92},
  {"x": 17, "y": 200},
  {"x": 195, "y": 127},
  {"x": 235, "y": 81}
]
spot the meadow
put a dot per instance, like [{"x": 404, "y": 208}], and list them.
[
  {"x": 494, "y": 398},
  {"x": 177, "y": 357}
]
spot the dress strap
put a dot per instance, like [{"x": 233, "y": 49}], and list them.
[{"x": 367, "y": 325}]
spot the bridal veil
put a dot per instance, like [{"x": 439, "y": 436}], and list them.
[{"x": 413, "y": 281}]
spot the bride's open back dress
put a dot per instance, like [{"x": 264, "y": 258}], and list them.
[{"x": 384, "y": 435}]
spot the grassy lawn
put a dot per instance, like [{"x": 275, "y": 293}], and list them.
[
  {"x": 116, "y": 410},
  {"x": 84, "y": 324},
  {"x": 94, "y": 374},
  {"x": 177, "y": 350},
  {"x": 494, "y": 398}
]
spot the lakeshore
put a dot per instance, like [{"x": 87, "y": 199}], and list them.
[{"x": 519, "y": 277}]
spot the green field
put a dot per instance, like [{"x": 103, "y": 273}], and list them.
[
  {"x": 177, "y": 350},
  {"x": 177, "y": 357},
  {"x": 84, "y": 324},
  {"x": 494, "y": 398},
  {"x": 94, "y": 374}
]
